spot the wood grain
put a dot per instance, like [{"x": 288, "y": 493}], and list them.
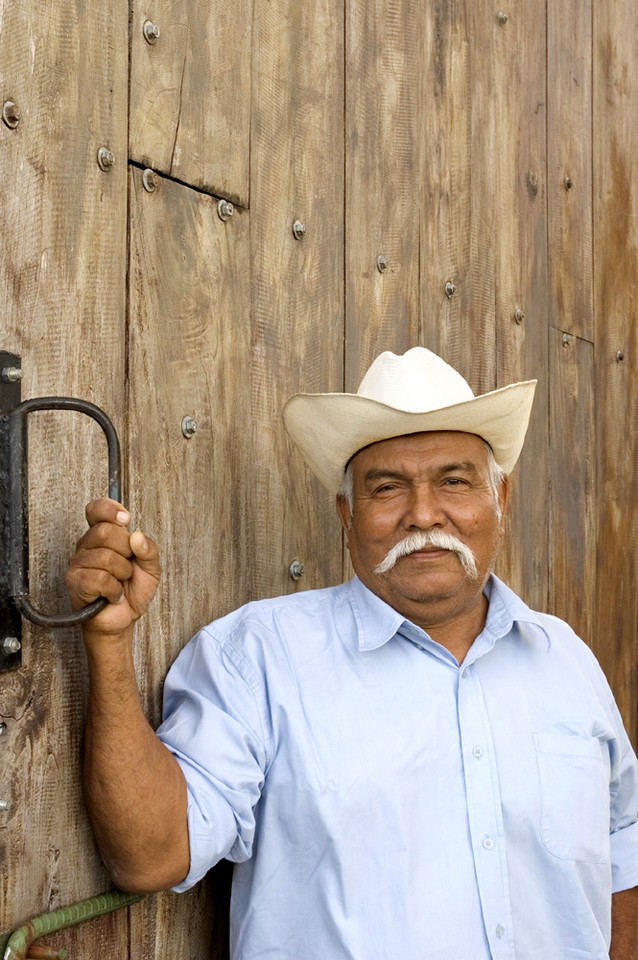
[
  {"x": 62, "y": 289},
  {"x": 190, "y": 93},
  {"x": 383, "y": 66},
  {"x": 296, "y": 285},
  {"x": 188, "y": 349},
  {"x": 616, "y": 380}
]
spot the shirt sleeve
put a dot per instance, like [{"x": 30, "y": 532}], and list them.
[
  {"x": 215, "y": 724},
  {"x": 624, "y": 818}
]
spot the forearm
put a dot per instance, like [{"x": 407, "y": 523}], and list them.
[
  {"x": 624, "y": 925},
  {"x": 134, "y": 788}
]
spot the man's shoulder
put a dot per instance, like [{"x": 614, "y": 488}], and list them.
[{"x": 281, "y": 613}]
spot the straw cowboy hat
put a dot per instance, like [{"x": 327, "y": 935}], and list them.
[{"x": 412, "y": 393}]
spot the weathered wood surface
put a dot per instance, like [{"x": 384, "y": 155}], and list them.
[
  {"x": 189, "y": 350},
  {"x": 569, "y": 167},
  {"x": 382, "y": 192},
  {"x": 296, "y": 285},
  {"x": 62, "y": 290},
  {"x": 190, "y": 93},
  {"x": 615, "y": 87}
]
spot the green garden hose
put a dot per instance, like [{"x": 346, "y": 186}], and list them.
[{"x": 16, "y": 945}]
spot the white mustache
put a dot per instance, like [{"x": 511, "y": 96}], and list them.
[{"x": 433, "y": 538}]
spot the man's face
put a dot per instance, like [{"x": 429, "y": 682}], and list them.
[{"x": 421, "y": 483}]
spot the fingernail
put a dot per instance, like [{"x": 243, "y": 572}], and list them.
[{"x": 122, "y": 517}]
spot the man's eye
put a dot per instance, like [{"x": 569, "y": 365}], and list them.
[{"x": 455, "y": 482}]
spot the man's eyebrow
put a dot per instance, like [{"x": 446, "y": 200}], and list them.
[
  {"x": 457, "y": 466},
  {"x": 463, "y": 466},
  {"x": 378, "y": 473}
]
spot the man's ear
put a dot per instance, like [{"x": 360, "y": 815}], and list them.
[
  {"x": 344, "y": 511},
  {"x": 503, "y": 495}
]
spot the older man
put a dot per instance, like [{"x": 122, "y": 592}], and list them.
[{"x": 410, "y": 765}]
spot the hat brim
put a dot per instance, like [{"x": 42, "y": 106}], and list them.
[{"x": 329, "y": 428}]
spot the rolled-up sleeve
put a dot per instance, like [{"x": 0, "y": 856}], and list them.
[
  {"x": 215, "y": 724},
  {"x": 624, "y": 823}
]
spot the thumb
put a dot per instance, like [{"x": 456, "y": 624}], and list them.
[{"x": 146, "y": 553}]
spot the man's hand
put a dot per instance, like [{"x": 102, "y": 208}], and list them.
[{"x": 109, "y": 562}]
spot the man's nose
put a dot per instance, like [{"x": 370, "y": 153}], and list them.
[{"x": 424, "y": 508}]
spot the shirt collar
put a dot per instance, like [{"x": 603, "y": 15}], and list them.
[{"x": 377, "y": 622}]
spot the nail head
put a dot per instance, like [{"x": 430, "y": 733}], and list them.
[
  {"x": 151, "y": 31},
  {"x": 225, "y": 210},
  {"x": 502, "y": 18},
  {"x": 105, "y": 158},
  {"x": 566, "y": 339},
  {"x": 149, "y": 180},
  {"x": 450, "y": 289},
  {"x": 620, "y": 356},
  {"x": 569, "y": 183},
  {"x": 298, "y": 230},
  {"x": 189, "y": 427},
  {"x": 382, "y": 264},
  {"x": 296, "y": 569},
  {"x": 11, "y": 114}
]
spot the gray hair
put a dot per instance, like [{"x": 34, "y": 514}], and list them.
[{"x": 496, "y": 476}]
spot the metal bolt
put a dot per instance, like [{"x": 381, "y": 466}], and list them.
[
  {"x": 151, "y": 31},
  {"x": 566, "y": 339},
  {"x": 150, "y": 180},
  {"x": 189, "y": 427},
  {"x": 11, "y": 114},
  {"x": 295, "y": 569},
  {"x": 450, "y": 289},
  {"x": 382, "y": 264},
  {"x": 11, "y": 374},
  {"x": 105, "y": 158},
  {"x": 5, "y": 804},
  {"x": 298, "y": 230},
  {"x": 3, "y": 729},
  {"x": 519, "y": 316},
  {"x": 502, "y": 18},
  {"x": 225, "y": 209},
  {"x": 620, "y": 356},
  {"x": 569, "y": 183},
  {"x": 10, "y": 645}
]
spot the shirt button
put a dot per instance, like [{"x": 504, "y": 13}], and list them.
[
  {"x": 488, "y": 843},
  {"x": 500, "y": 932},
  {"x": 477, "y": 751}
]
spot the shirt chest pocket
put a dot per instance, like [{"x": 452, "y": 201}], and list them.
[{"x": 574, "y": 796}]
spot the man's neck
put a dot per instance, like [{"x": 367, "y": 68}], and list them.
[{"x": 459, "y": 633}]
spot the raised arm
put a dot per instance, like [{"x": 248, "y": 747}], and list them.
[{"x": 134, "y": 788}]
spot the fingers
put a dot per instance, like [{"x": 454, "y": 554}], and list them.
[
  {"x": 108, "y": 511},
  {"x": 146, "y": 553},
  {"x": 87, "y": 584}
]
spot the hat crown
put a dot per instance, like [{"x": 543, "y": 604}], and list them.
[{"x": 417, "y": 381}]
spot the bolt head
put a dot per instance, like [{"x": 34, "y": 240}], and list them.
[
  {"x": 150, "y": 180},
  {"x": 105, "y": 158},
  {"x": 502, "y": 18},
  {"x": 569, "y": 183},
  {"x": 519, "y": 316},
  {"x": 5, "y": 805},
  {"x": 382, "y": 264},
  {"x": 10, "y": 645},
  {"x": 296, "y": 570},
  {"x": 450, "y": 289},
  {"x": 298, "y": 230},
  {"x": 151, "y": 31},
  {"x": 11, "y": 374},
  {"x": 225, "y": 210},
  {"x": 11, "y": 114},
  {"x": 189, "y": 427}
]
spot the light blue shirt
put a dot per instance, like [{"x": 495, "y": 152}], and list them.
[{"x": 382, "y": 803}]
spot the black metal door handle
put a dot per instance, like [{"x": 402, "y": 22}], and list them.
[{"x": 18, "y": 514}]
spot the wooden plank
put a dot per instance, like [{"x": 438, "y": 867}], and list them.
[
  {"x": 520, "y": 255},
  {"x": 616, "y": 306},
  {"x": 63, "y": 294},
  {"x": 456, "y": 160},
  {"x": 383, "y": 69},
  {"x": 190, "y": 93},
  {"x": 569, "y": 167},
  {"x": 189, "y": 350},
  {"x": 296, "y": 285},
  {"x": 572, "y": 508}
]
